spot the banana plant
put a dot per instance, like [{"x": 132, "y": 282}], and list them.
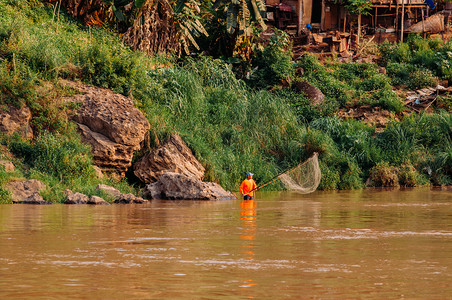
[
  {"x": 160, "y": 25},
  {"x": 241, "y": 14}
]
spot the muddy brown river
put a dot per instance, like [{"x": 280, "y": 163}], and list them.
[{"x": 370, "y": 244}]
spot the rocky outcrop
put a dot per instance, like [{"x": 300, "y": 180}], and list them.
[
  {"x": 118, "y": 196},
  {"x": 175, "y": 186},
  {"x": 27, "y": 192},
  {"x": 95, "y": 200},
  {"x": 76, "y": 198},
  {"x": 16, "y": 120},
  {"x": 311, "y": 92},
  {"x": 79, "y": 198},
  {"x": 111, "y": 124},
  {"x": 130, "y": 199},
  {"x": 109, "y": 191},
  {"x": 173, "y": 156},
  {"x": 7, "y": 165}
]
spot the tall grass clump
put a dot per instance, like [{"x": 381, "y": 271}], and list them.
[
  {"x": 5, "y": 195},
  {"x": 62, "y": 157}
]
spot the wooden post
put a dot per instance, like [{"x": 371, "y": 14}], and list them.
[
  {"x": 359, "y": 30},
  {"x": 376, "y": 16},
  {"x": 300, "y": 17},
  {"x": 423, "y": 22},
  {"x": 397, "y": 18},
  {"x": 322, "y": 18},
  {"x": 345, "y": 18},
  {"x": 402, "y": 25}
]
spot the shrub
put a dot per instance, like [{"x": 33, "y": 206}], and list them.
[
  {"x": 350, "y": 178},
  {"x": 387, "y": 99},
  {"x": 330, "y": 177},
  {"x": 320, "y": 142},
  {"x": 374, "y": 82},
  {"x": 444, "y": 102},
  {"x": 57, "y": 155},
  {"x": 274, "y": 62},
  {"x": 409, "y": 176},
  {"x": 399, "y": 142},
  {"x": 384, "y": 175},
  {"x": 395, "y": 52},
  {"x": 419, "y": 79},
  {"x": 400, "y": 72}
]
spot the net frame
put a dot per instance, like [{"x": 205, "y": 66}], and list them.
[{"x": 304, "y": 178}]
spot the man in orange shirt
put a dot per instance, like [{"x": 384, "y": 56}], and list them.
[{"x": 247, "y": 187}]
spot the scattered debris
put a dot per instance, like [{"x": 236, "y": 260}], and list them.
[{"x": 422, "y": 99}]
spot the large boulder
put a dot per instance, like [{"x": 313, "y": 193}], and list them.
[
  {"x": 173, "y": 156},
  {"x": 26, "y": 192},
  {"x": 16, "y": 120},
  {"x": 175, "y": 186},
  {"x": 109, "y": 191},
  {"x": 112, "y": 125},
  {"x": 130, "y": 199},
  {"x": 79, "y": 198},
  {"x": 119, "y": 197},
  {"x": 311, "y": 92},
  {"x": 76, "y": 198}
]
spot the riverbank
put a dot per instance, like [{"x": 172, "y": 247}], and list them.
[{"x": 264, "y": 122}]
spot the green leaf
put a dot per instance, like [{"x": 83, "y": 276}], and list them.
[{"x": 139, "y": 3}]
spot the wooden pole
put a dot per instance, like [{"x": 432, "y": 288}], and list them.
[
  {"x": 402, "y": 25},
  {"x": 300, "y": 16},
  {"x": 359, "y": 30},
  {"x": 423, "y": 23},
  {"x": 397, "y": 18},
  {"x": 322, "y": 18},
  {"x": 376, "y": 16},
  {"x": 345, "y": 18}
]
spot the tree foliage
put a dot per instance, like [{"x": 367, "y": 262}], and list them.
[
  {"x": 150, "y": 25},
  {"x": 241, "y": 14}
]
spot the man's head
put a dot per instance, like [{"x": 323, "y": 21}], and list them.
[{"x": 249, "y": 175}]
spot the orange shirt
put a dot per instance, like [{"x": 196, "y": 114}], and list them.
[{"x": 248, "y": 185}]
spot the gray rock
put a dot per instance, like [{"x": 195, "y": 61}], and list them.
[
  {"x": 95, "y": 200},
  {"x": 174, "y": 186},
  {"x": 311, "y": 92},
  {"x": 173, "y": 156},
  {"x": 16, "y": 120},
  {"x": 26, "y": 191},
  {"x": 130, "y": 199},
  {"x": 76, "y": 198},
  {"x": 111, "y": 124},
  {"x": 109, "y": 190}
]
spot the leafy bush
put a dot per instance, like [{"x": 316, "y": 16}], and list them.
[
  {"x": 421, "y": 79},
  {"x": 384, "y": 175},
  {"x": 387, "y": 99},
  {"x": 400, "y": 53},
  {"x": 409, "y": 176},
  {"x": 350, "y": 174},
  {"x": 273, "y": 62}
]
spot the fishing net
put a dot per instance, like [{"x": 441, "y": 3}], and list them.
[{"x": 303, "y": 178}]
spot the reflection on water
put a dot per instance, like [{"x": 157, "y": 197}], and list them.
[{"x": 367, "y": 244}]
